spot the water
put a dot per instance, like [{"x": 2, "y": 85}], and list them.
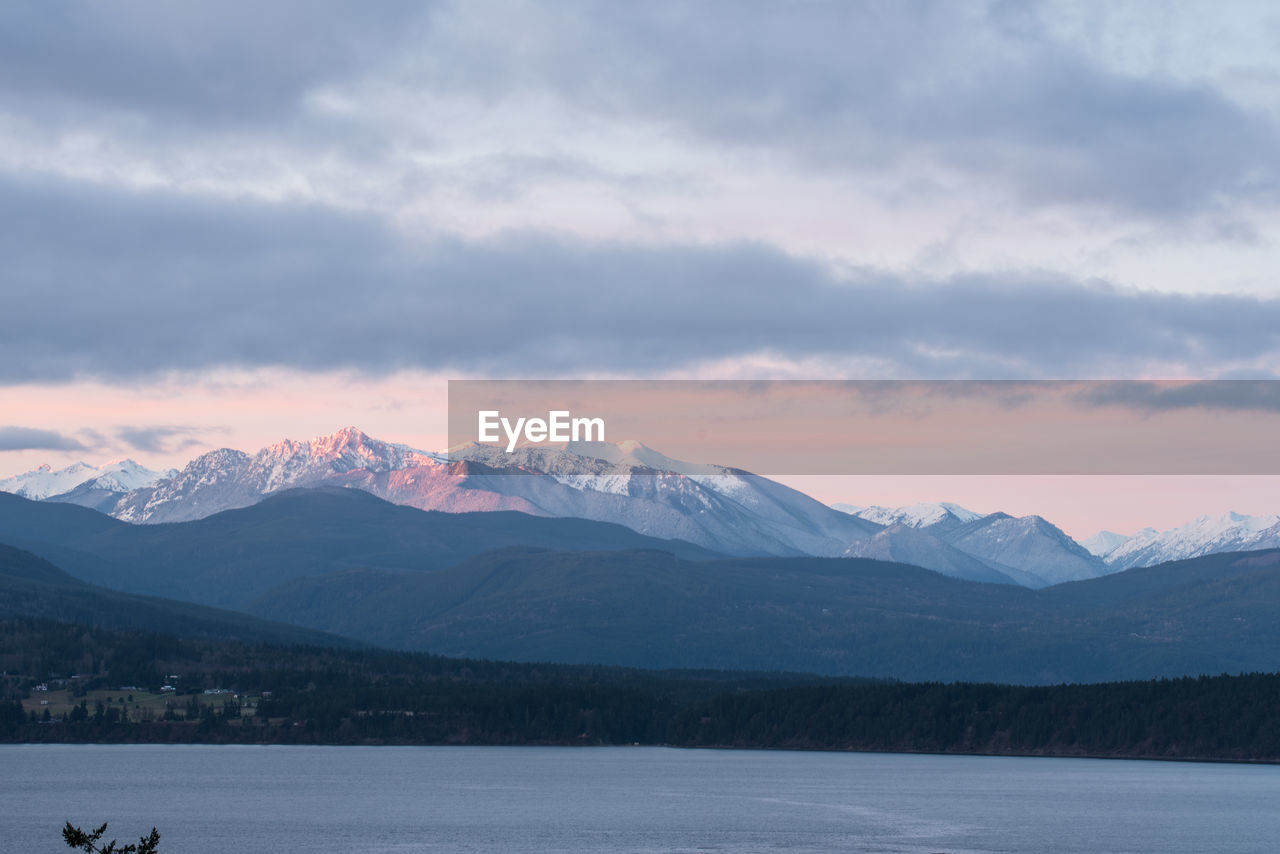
[{"x": 218, "y": 800}]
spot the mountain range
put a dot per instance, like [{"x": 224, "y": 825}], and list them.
[
  {"x": 817, "y": 615},
  {"x": 1204, "y": 535},
  {"x": 87, "y": 485},
  {"x": 31, "y": 587},
  {"x": 721, "y": 509},
  {"x": 715, "y": 507},
  {"x": 1036, "y": 553},
  {"x": 507, "y": 585},
  {"x": 230, "y": 558}
]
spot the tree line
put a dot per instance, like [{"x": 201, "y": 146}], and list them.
[{"x": 312, "y": 695}]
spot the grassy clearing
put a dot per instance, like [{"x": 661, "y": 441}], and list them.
[{"x": 140, "y": 705}]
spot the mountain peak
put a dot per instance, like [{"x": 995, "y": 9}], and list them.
[
  {"x": 44, "y": 482},
  {"x": 344, "y": 436},
  {"x": 626, "y": 482},
  {"x": 218, "y": 455},
  {"x": 1103, "y": 542},
  {"x": 933, "y": 515},
  {"x": 1203, "y": 535},
  {"x": 348, "y": 438}
]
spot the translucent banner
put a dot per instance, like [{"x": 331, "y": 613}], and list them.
[{"x": 960, "y": 427}]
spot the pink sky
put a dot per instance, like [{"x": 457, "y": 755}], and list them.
[
  {"x": 249, "y": 411},
  {"x": 1081, "y": 505}
]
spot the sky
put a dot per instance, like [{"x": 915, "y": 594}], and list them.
[{"x": 231, "y": 223}]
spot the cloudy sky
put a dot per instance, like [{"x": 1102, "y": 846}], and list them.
[{"x": 231, "y": 222}]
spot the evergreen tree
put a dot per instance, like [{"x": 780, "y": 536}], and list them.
[{"x": 77, "y": 838}]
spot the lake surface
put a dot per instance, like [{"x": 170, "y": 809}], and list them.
[{"x": 219, "y": 800}]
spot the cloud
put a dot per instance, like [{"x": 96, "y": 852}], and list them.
[
  {"x": 1236, "y": 395},
  {"x": 33, "y": 439},
  {"x": 161, "y": 439},
  {"x": 228, "y": 63},
  {"x": 118, "y": 285},
  {"x": 988, "y": 92}
]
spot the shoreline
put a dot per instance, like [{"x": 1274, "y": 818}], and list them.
[{"x": 578, "y": 745}]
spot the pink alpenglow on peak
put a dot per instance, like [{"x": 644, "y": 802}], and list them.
[{"x": 627, "y": 483}]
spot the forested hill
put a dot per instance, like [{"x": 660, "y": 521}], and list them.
[{"x": 33, "y": 587}]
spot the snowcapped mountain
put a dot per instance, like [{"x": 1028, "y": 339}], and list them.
[
  {"x": 1035, "y": 553},
  {"x": 127, "y": 475},
  {"x": 632, "y": 454},
  {"x": 905, "y": 544},
  {"x": 117, "y": 476},
  {"x": 627, "y": 483},
  {"x": 1107, "y": 541},
  {"x": 1228, "y": 532},
  {"x": 953, "y": 540},
  {"x": 714, "y": 506},
  {"x": 936, "y": 517},
  {"x": 226, "y": 479},
  {"x": 720, "y": 508},
  {"x": 1029, "y": 543},
  {"x": 43, "y": 481}
]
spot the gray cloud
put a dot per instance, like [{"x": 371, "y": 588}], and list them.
[
  {"x": 33, "y": 439},
  {"x": 838, "y": 85},
  {"x": 125, "y": 285},
  {"x": 230, "y": 62},
  {"x": 987, "y": 91},
  {"x": 1237, "y": 395},
  {"x": 165, "y": 439}
]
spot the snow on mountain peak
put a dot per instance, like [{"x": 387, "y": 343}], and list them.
[
  {"x": 1203, "y": 535},
  {"x": 116, "y": 476},
  {"x": 127, "y": 475},
  {"x": 293, "y": 463},
  {"x": 625, "y": 482},
  {"x": 631, "y": 452},
  {"x": 227, "y": 478},
  {"x": 922, "y": 515},
  {"x": 1229, "y": 521},
  {"x": 1103, "y": 542}
]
